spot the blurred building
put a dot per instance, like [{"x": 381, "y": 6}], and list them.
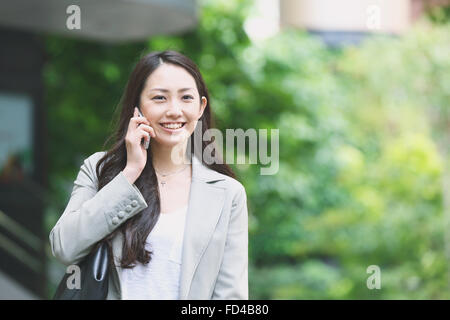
[
  {"x": 349, "y": 21},
  {"x": 23, "y": 165}
]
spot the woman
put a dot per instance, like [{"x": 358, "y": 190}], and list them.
[{"x": 177, "y": 227}]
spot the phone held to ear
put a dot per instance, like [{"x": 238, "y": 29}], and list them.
[{"x": 144, "y": 142}]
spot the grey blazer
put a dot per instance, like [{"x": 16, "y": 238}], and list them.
[{"x": 214, "y": 262}]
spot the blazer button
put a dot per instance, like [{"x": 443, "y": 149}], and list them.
[
  {"x": 121, "y": 214},
  {"x": 115, "y": 220},
  {"x": 128, "y": 208},
  {"x": 134, "y": 203}
]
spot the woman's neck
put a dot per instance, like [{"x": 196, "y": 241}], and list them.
[{"x": 168, "y": 159}]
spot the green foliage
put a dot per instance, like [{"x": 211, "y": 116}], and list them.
[{"x": 359, "y": 180}]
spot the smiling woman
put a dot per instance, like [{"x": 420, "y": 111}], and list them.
[
  {"x": 201, "y": 252},
  {"x": 173, "y": 105}
]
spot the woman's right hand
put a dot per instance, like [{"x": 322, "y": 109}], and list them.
[{"x": 138, "y": 129}]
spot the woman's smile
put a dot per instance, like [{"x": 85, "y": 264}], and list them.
[{"x": 172, "y": 127}]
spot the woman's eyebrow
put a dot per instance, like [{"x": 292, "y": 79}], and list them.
[{"x": 165, "y": 90}]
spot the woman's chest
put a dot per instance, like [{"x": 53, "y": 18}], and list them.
[
  {"x": 166, "y": 238},
  {"x": 174, "y": 194}
]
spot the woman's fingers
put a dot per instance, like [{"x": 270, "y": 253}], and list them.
[
  {"x": 148, "y": 129},
  {"x": 144, "y": 135},
  {"x": 138, "y": 120},
  {"x": 139, "y": 128}
]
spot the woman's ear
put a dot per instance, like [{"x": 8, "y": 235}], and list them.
[{"x": 203, "y": 103}]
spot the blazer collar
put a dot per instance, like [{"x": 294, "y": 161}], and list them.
[{"x": 203, "y": 173}]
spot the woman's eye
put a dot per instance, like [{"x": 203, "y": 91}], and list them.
[
  {"x": 158, "y": 97},
  {"x": 188, "y": 96}
]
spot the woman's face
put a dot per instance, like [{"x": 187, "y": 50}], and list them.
[{"x": 170, "y": 98}]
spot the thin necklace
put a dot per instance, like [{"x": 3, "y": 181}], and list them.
[{"x": 163, "y": 182}]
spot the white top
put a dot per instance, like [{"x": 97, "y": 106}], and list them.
[{"x": 160, "y": 278}]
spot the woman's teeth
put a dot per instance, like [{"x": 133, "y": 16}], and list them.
[{"x": 172, "y": 125}]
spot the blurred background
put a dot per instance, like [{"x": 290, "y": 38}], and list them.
[{"x": 359, "y": 90}]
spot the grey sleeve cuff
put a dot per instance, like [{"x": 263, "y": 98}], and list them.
[{"x": 128, "y": 201}]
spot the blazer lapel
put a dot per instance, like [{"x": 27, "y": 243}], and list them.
[{"x": 206, "y": 201}]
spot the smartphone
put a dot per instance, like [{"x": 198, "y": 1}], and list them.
[{"x": 144, "y": 142}]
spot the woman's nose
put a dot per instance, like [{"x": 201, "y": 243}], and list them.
[{"x": 174, "y": 108}]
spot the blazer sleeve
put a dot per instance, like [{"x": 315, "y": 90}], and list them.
[
  {"x": 232, "y": 280},
  {"x": 90, "y": 215}
]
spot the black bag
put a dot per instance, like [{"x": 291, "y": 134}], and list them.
[{"x": 94, "y": 277}]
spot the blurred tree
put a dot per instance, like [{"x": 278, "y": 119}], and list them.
[
  {"x": 401, "y": 151},
  {"x": 440, "y": 12},
  {"x": 359, "y": 180}
]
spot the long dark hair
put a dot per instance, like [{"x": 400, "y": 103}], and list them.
[{"x": 136, "y": 229}]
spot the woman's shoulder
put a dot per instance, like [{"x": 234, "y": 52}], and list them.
[
  {"x": 96, "y": 156},
  {"x": 231, "y": 184},
  {"x": 90, "y": 163},
  {"x": 93, "y": 159}
]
